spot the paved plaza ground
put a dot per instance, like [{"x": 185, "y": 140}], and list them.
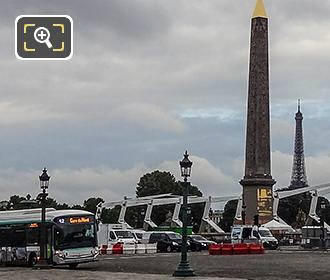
[{"x": 288, "y": 265}]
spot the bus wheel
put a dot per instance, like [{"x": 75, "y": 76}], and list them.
[
  {"x": 73, "y": 265},
  {"x": 33, "y": 260}
]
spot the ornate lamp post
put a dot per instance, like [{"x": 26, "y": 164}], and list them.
[
  {"x": 44, "y": 183},
  {"x": 184, "y": 269}
]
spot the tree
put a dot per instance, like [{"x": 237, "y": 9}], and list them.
[
  {"x": 77, "y": 207},
  {"x": 90, "y": 204},
  {"x": 159, "y": 182},
  {"x": 62, "y": 206},
  {"x": 14, "y": 202},
  {"x": 294, "y": 210},
  {"x": 228, "y": 215},
  {"x": 162, "y": 182},
  {"x": 110, "y": 216},
  {"x": 51, "y": 203},
  {"x": 155, "y": 183}
]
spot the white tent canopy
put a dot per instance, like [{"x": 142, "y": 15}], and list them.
[{"x": 275, "y": 225}]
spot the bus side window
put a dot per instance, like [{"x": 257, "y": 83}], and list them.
[
  {"x": 5, "y": 235},
  {"x": 18, "y": 238},
  {"x": 32, "y": 236}
]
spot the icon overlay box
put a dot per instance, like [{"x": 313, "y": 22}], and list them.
[{"x": 43, "y": 37}]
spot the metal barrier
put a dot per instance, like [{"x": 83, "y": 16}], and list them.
[
  {"x": 128, "y": 249},
  {"x": 236, "y": 249}
]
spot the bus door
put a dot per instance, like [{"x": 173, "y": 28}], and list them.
[
  {"x": 32, "y": 241},
  {"x": 5, "y": 249},
  {"x": 49, "y": 242},
  {"x": 18, "y": 245}
]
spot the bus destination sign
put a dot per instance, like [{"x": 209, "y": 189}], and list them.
[
  {"x": 75, "y": 220},
  {"x": 80, "y": 220}
]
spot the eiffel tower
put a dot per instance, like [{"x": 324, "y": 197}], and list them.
[{"x": 298, "y": 177}]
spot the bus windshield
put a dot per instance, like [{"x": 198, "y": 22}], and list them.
[{"x": 75, "y": 236}]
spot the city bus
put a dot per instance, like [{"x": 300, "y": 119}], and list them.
[{"x": 71, "y": 237}]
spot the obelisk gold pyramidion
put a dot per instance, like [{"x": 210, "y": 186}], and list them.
[{"x": 258, "y": 182}]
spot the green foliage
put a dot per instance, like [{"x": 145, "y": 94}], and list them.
[
  {"x": 162, "y": 182},
  {"x": 229, "y": 215},
  {"x": 14, "y": 202},
  {"x": 51, "y": 203},
  {"x": 159, "y": 182},
  {"x": 156, "y": 183},
  {"x": 91, "y": 204},
  {"x": 110, "y": 216},
  {"x": 294, "y": 210},
  {"x": 323, "y": 212}
]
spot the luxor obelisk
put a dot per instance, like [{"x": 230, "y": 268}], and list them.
[{"x": 258, "y": 182}]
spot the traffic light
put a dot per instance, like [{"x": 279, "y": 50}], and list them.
[{"x": 256, "y": 220}]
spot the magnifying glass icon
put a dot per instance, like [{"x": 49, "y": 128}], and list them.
[{"x": 41, "y": 35}]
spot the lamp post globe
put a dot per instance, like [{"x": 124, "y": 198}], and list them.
[
  {"x": 185, "y": 166},
  {"x": 184, "y": 269},
  {"x": 44, "y": 179}
]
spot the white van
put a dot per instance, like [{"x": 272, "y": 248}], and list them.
[
  {"x": 252, "y": 234},
  {"x": 114, "y": 233},
  {"x": 141, "y": 236}
]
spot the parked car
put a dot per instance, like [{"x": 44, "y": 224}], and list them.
[
  {"x": 167, "y": 241},
  {"x": 199, "y": 243}
]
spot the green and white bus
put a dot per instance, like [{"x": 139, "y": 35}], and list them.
[{"x": 71, "y": 237}]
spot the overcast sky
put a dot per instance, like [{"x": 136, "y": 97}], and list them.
[{"x": 151, "y": 78}]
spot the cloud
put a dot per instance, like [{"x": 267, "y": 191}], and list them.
[
  {"x": 209, "y": 178},
  {"x": 26, "y": 114},
  {"x": 147, "y": 115}
]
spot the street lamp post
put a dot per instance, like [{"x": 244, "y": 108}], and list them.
[
  {"x": 184, "y": 269},
  {"x": 44, "y": 183}
]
